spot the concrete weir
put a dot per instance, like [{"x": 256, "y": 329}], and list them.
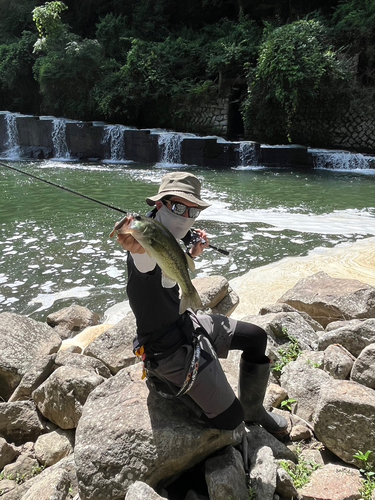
[{"x": 45, "y": 137}]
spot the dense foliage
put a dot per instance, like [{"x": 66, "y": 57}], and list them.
[
  {"x": 133, "y": 61},
  {"x": 296, "y": 68}
]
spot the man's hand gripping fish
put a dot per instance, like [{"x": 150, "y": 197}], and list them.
[{"x": 162, "y": 246}]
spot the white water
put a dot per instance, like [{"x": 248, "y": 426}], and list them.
[
  {"x": 339, "y": 222},
  {"x": 170, "y": 147},
  {"x": 246, "y": 152},
  {"x": 341, "y": 160},
  {"x": 59, "y": 139},
  {"x": 114, "y": 137},
  {"x": 13, "y": 150}
]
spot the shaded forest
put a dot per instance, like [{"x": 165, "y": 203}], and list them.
[{"x": 130, "y": 61}]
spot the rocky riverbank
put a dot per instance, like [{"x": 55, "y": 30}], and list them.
[{"x": 77, "y": 421}]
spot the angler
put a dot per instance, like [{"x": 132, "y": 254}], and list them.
[{"x": 181, "y": 351}]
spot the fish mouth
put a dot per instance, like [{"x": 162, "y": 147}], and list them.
[{"x": 125, "y": 223}]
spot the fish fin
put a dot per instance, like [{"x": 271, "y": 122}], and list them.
[
  {"x": 166, "y": 281},
  {"x": 190, "y": 263},
  {"x": 192, "y": 301}
]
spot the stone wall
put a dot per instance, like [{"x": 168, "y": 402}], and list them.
[
  {"x": 93, "y": 141},
  {"x": 355, "y": 130},
  {"x": 98, "y": 141},
  {"x": 351, "y": 128},
  {"x": 204, "y": 116}
]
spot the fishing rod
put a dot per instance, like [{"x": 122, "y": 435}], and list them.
[
  {"x": 63, "y": 188},
  {"x": 118, "y": 226}
]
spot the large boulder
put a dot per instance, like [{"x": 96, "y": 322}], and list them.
[
  {"x": 333, "y": 482},
  {"x": 353, "y": 336},
  {"x": 62, "y": 396},
  {"x": 20, "y": 422},
  {"x": 304, "y": 382},
  {"x": 363, "y": 370},
  {"x": 338, "y": 362},
  {"x": 328, "y": 299},
  {"x": 114, "y": 347},
  {"x": 344, "y": 419},
  {"x": 68, "y": 321},
  {"x": 281, "y": 327},
  {"x": 37, "y": 373},
  {"x": 128, "y": 434},
  {"x": 81, "y": 361},
  {"x": 22, "y": 341},
  {"x": 226, "y": 477},
  {"x": 58, "y": 482},
  {"x": 50, "y": 448}
]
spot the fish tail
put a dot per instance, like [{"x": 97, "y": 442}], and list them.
[{"x": 192, "y": 300}]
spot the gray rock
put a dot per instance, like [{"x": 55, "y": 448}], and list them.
[
  {"x": 339, "y": 324},
  {"x": 300, "y": 432},
  {"x": 304, "y": 383},
  {"x": 55, "y": 486},
  {"x": 61, "y": 397},
  {"x": 54, "y": 483},
  {"x": 71, "y": 320},
  {"x": 263, "y": 474},
  {"x": 354, "y": 337},
  {"x": 23, "y": 340},
  {"x": 281, "y": 307},
  {"x": 344, "y": 419},
  {"x": 7, "y": 453},
  {"x": 338, "y": 362},
  {"x": 333, "y": 482},
  {"x": 228, "y": 304},
  {"x": 211, "y": 289},
  {"x": 225, "y": 476},
  {"x": 65, "y": 358},
  {"x": 363, "y": 370},
  {"x": 22, "y": 469},
  {"x": 38, "y": 372},
  {"x": 284, "y": 484},
  {"x": 141, "y": 491},
  {"x": 127, "y": 433},
  {"x": 257, "y": 437},
  {"x": 7, "y": 485},
  {"x": 275, "y": 395},
  {"x": 115, "y": 346},
  {"x": 52, "y": 447},
  {"x": 280, "y": 326},
  {"x": 328, "y": 299},
  {"x": 20, "y": 422}
]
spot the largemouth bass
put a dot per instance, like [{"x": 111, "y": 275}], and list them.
[{"x": 162, "y": 246}]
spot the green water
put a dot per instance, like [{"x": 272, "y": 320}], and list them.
[{"x": 55, "y": 250}]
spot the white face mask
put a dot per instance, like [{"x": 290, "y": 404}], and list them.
[{"x": 177, "y": 224}]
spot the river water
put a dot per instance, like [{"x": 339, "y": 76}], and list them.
[{"x": 55, "y": 249}]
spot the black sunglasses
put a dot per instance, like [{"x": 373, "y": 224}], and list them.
[{"x": 180, "y": 209}]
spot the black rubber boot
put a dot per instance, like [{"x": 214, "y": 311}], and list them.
[{"x": 252, "y": 387}]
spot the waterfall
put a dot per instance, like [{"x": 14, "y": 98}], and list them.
[
  {"x": 341, "y": 160},
  {"x": 13, "y": 150},
  {"x": 114, "y": 137},
  {"x": 246, "y": 153},
  {"x": 170, "y": 147},
  {"x": 59, "y": 138}
]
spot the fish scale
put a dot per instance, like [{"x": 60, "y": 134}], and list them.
[{"x": 162, "y": 246}]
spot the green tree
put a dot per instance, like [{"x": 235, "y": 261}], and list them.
[
  {"x": 18, "y": 89},
  {"x": 297, "y": 67},
  {"x": 354, "y": 28},
  {"x": 15, "y": 18},
  {"x": 49, "y": 24},
  {"x": 67, "y": 68}
]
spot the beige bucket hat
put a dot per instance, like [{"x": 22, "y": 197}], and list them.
[{"x": 181, "y": 184}]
